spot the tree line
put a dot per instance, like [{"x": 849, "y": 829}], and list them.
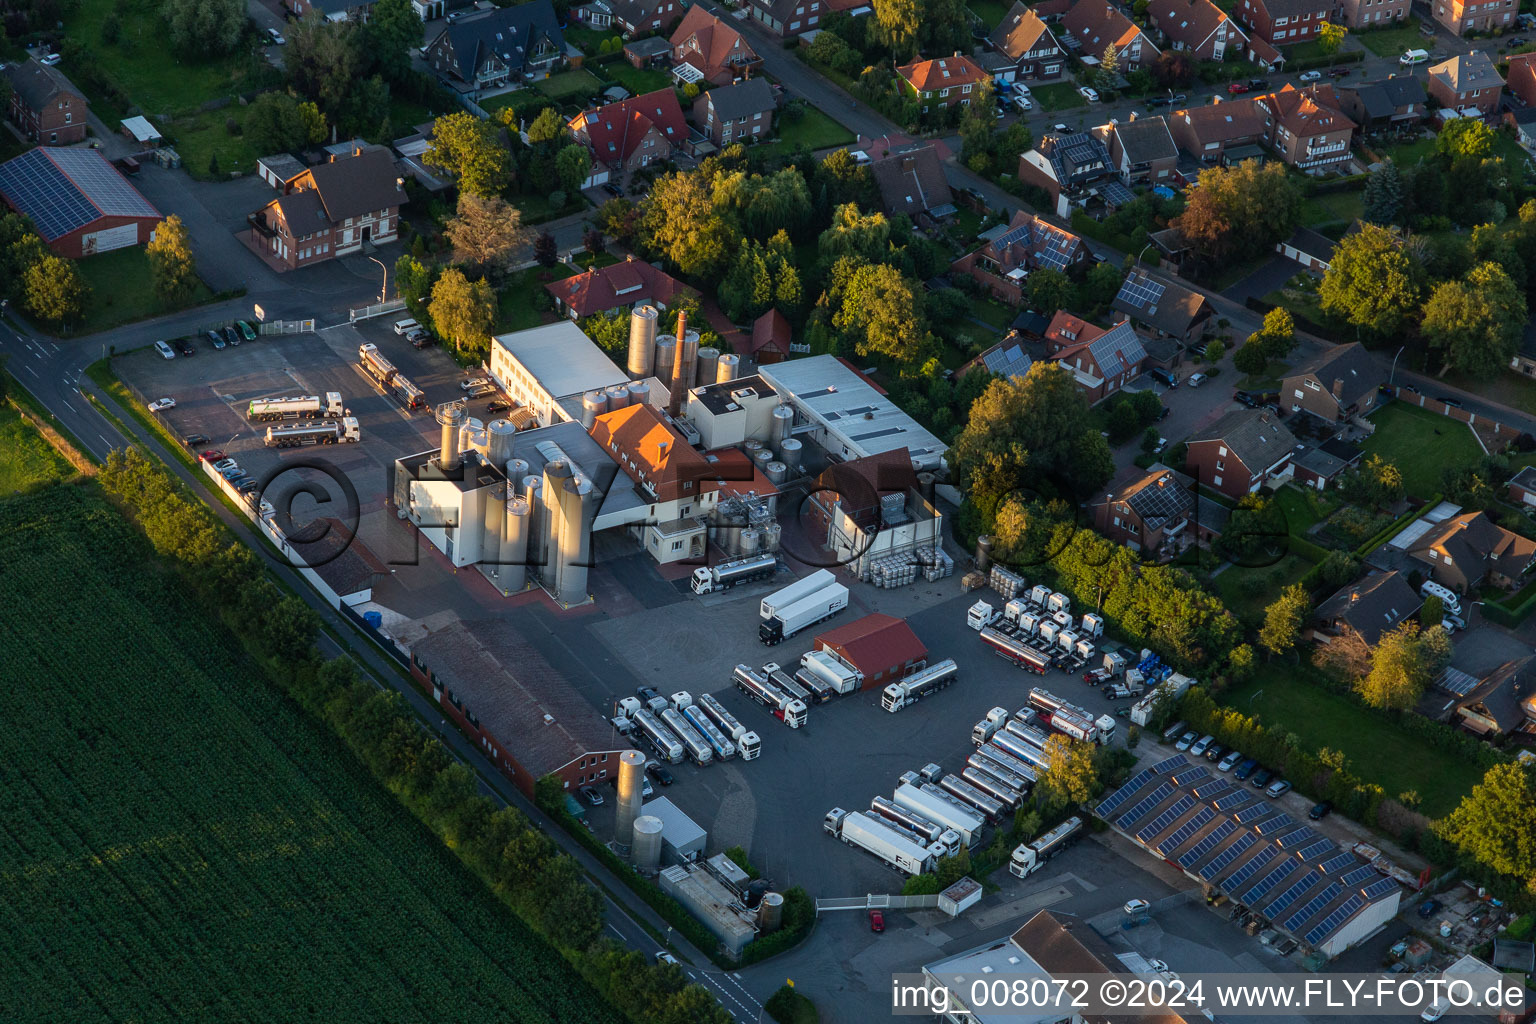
[{"x": 521, "y": 865}]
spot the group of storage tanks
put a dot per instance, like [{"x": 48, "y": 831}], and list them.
[{"x": 532, "y": 521}]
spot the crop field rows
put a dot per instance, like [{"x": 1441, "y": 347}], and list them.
[{"x": 179, "y": 843}]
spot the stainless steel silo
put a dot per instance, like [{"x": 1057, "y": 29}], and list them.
[
  {"x": 645, "y": 851},
  {"x": 639, "y": 392},
  {"x": 452, "y": 417},
  {"x": 666, "y": 357},
  {"x": 750, "y": 541},
  {"x": 790, "y": 452},
  {"x": 495, "y": 514},
  {"x": 593, "y": 405},
  {"x": 753, "y": 446},
  {"x": 538, "y": 525},
  {"x": 576, "y": 511},
  {"x": 776, "y": 472},
  {"x": 728, "y": 368},
  {"x": 770, "y": 912},
  {"x": 477, "y": 440},
  {"x": 618, "y": 397},
  {"x": 761, "y": 458},
  {"x": 514, "y": 545},
  {"x": 779, "y": 424},
  {"x": 642, "y": 341},
  {"x": 516, "y": 470},
  {"x": 631, "y": 795},
  {"x": 706, "y": 366},
  {"x": 501, "y": 433},
  {"x": 556, "y": 473},
  {"x": 772, "y": 535}
]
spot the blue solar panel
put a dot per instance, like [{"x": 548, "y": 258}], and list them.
[
  {"x": 1312, "y": 907},
  {"x": 1295, "y": 838},
  {"x": 1219, "y": 863},
  {"x": 1360, "y": 875},
  {"x": 1315, "y": 850},
  {"x": 1125, "y": 792},
  {"x": 63, "y": 190},
  {"x": 1234, "y": 800},
  {"x": 1186, "y": 831},
  {"x": 1169, "y": 764},
  {"x": 1250, "y": 812},
  {"x": 1145, "y": 804},
  {"x": 1258, "y": 889},
  {"x": 1328, "y": 924},
  {"x": 1269, "y": 826},
  {"x": 1184, "y": 776},
  {"x": 1260, "y": 860},
  {"x": 1291, "y": 894},
  {"x": 1168, "y": 817},
  {"x": 1206, "y": 845},
  {"x": 1376, "y": 890},
  {"x": 1211, "y": 790},
  {"x": 1338, "y": 862}
]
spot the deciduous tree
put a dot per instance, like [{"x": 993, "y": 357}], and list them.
[
  {"x": 896, "y": 26},
  {"x": 471, "y": 150},
  {"x": 172, "y": 266},
  {"x": 1283, "y": 620},
  {"x": 1277, "y": 335},
  {"x": 1330, "y": 36},
  {"x": 1495, "y": 824},
  {"x": 1404, "y": 662},
  {"x": 1476, "y": 322},
  {"x": 487, "y": 233},
  {"x": 682, "y": 225},
  {"x": 205, "y": 27},
  {"x": 463, "y": 311},
  {"x": 393, "y": 29},
  {"x": 55, "y": 290},
  {"x": 572, "y": 165},
  {"x": 1241, "y": 211},
  {"x": 882, "y": 314},
  {"x": 1068, "y": 776},
  {"x": 1465, "y": 137},
  {"x": 325, "y": 60},
  {"x": 1370, "y": 282}
]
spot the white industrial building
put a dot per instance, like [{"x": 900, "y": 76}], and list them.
[
  {"x": 731, "y": 412},
  {"x": 548, "y": 369},
  {"x": 1226, "y": 835},
  {"x": 848, "y": 416},
  {"x": 682, "y": 839}
]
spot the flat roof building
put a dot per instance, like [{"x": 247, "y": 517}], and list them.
[
  {"x": 682, "y": 838},
  {"x": 729, "y": 413},
  {"x": 712, "y": 902},
  {"x": 547, "y": 369},
  {"x": 846, "y": 414}
]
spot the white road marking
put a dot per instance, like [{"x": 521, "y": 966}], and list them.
[
  {"x": 34, "y": 373},
  {"x": 104, "y": 440},
  {"x": 69, "y": 407}
]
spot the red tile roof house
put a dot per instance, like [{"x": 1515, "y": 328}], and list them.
[
  {"x": 882, "y": 647},
  {"x": 1285, "y": 22},
  {"x": 614, "y": 288},
  {"x": 331, "y": 210},
  {"x": 716, "y": 49},
  {"x": 1197, "y": 27},
  {"x": 1004, "y": 263},
  {"x": 1101, "y": 361},
  {"x": 1206, "y": 133},
  {"x": 771, "y": 338},
  {"x": 1467, "y": 81},
  {"x": 941, "y": 83},
  {"x": 1096, "y": 26},
  {"x": 1241, "y": 452},
  {"x": 1028, "y": 42},
  {"x": 1521, "y": 78},
  {"x": 45, "y": 105},
  {"x": 633, "y": 132},
  {"x": 1307, "y": 127}
]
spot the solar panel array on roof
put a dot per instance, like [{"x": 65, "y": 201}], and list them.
[
  {"x": 1292, "y": 893},
  {"x": 1456, "y": 682},
  {"x": 1269, "y": 826},
  {"x": 1206, "y": 845},
  {"x": 1168, "y": 817},
  {"x": 1145, "y": 804},
  {"x": 1186, "y": 831},
  {"x": 1056, "y": 253},
  {"x": 1162, "y": 499},
  {"x": 1141, "y": 291},
  {"x": 1234, "y": 800},
  {"x": 1108, "y": 804},
  {"x": 1340, "y": 914},
  {"x": 1315, "y": 850},
  {"x": 1115, "y": 194},
  {"x": 1376, "y": 890},
  {"x": 1260, "y": 860},
  {"x": 1295, "y": 838},
  {"x": 1007, "y": 359},
  {"x": 63, "y": 190},
  {"x": 1312, "y": 907},
  {"x": 1018, "y": 234},
  {"x": 1338, "y": 862},
  {"x": 1257, "y": 890},
  {"x": 1227, "y": 856},
  {"x": 1184, "y": 776},
  {"x": 1250, "y": 813},
  {"x": 1360, "y": 875}
]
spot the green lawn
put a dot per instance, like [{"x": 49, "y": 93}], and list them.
[
  {"x": 589, "y": 39},
  {"x": 813, "y": 129},
  {"x": 1393, "y": 42},
  {"x": 993, "y": 312},
  {"x": 122, "y": 290},
  {"x": 1410, "y": 153},
  {"x": 536, "y": 209},
  {"x": 990, "y": 11},
  {"x": 201, "y": 137},
  {"x": 26, "y": 460},
  {"x": 1333, "y": 208},
  {"x": 518, "y": 306},
  {"x": 1421, "y": 444},
  {"x": 1282, "y": 697},
  {"x": 1269, "y": 380},
  {"x": 578, "y": 83},
  {"x": 1248, "y": 590},
  {"x": 638, "y": 81},
  {"x": 1057, "y": 96}
]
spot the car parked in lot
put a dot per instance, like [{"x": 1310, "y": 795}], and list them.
[
  {"x": 1215, "y": 752},
  {"x": 1201, "y": 745},
  {"x": 276, "y": 37},
  {"x": 498, "y": 405},
  {"x": 1237, "y": 88},
  {"x": 185, "y": 346},
  {"x": 216, "y": 339},
  {"x": 166, "y": 352},
  {"x": 246, "y": 330},
  {"x": 1261, "y": 778},
  {"x": 1194, "y": 380},
  {"x": 50, "y": 60},
  {"x": 1137, "y": 906},
  {"x": 1060, "y": 127},
  {"x": 1277, "y": 789},
  {"x": 876, "y": 921},
  {"x": 593, "y": 796},
  {"x": 195, "y": 440},
  {"x": 473, "y": 383},
  {"x": 1320, "y": 811},
  {"x": 223, "y": 464},
  {"x": 1185, "y": 741},
  {"x": 419, "y": 338},
  {"x": 1310, "y": 76},
  {"x": 211, "y": 455},
  {"x": 1246, "y": 768},
  {"x": 231, "y": 335},
  {"x": 1161, "y": 445},
  {"x": 1230, "y": 761},
  {"x": 161, "y": 404},
  {"x": 1428, "y": 908},
  {"x": 1164, "y": 376},
  {"x": 1088, "y": 93},
  {"x": 1252, "y": 399},
  {"x": 659, "y": 772}
]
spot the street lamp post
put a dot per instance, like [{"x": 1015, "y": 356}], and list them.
[
  {"x": 384, "y": 291},
  {"x": 1392, "y": 377}
]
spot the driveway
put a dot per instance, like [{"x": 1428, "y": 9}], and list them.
[{"x": 1266, "y": 279}]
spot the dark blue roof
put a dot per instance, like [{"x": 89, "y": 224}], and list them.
[
  {"x": 63, "y": 190},
  {"x": 510, "y": 33}
]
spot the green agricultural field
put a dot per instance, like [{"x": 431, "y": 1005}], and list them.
[
  {"x": 1281, "y": 697},
  {"x": 179, "y": 843},
  {"x": 1421, "y": 444},
  {"x": 26, "y": 460}
]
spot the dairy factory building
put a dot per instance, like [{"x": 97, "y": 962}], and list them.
[
  {"x": 1226, "y": 835},
  {"x": 838, "y": 408},
  {"x": 548, "y": 369}
]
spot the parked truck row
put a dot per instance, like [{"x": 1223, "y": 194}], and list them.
[
  {"x": 387, "y": 378},
  {"x": 681, "y": 727},
  {"x": 807, "y": 601},
  {"x": 297, "y": 435},
  {"x": 1037, "y": 638}
]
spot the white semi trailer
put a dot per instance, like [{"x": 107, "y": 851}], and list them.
[{"x": 870, "y": 833}]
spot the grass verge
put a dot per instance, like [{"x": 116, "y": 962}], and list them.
[{"x": 123, "y": 290}]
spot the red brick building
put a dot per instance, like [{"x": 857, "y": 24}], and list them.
[
  {"x": 614, "y": 288},
  {"x": 78, "y": 201},
  {"x": 45, "y": 104},
  {"x": 1285, "y": 22},
  {"x": 1241, "y": 452},
  {"x": 882, "y": 647},
  {"x": 712, "y": 47},
  {"x": 331, "y": 210},
  {"x": 941, "y": 83},
  {"x": 1467, "y": 81},
  {"x": 633, "y": 132}
]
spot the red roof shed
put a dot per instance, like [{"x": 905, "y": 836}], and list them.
[{"x": 883, "y": 647}]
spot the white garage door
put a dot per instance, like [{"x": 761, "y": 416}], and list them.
[{"x": 111, "y": 238}]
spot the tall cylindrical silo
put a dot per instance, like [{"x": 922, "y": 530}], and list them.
[
  {"x": 495, "y": 513},
  {"x": 642, "y": 341},
  {"x": 749, "y": 540},
  {"x": 556, "y": 473},
  {"x": 983, "y": 553},
  {"x": 476, "y": 440},
  {"x": 639, "y": 392},
  {"x": 516, "y": 470},
  {"x": 538, "y": 525},
  {"x": 770, "y": 912},
  {"x": 772, "y": 533},
  {"x": 790, "y": 452},
  {"x": 706, "y": 366},
  {"x": 630, "y": 796},
  {"x": 593, "y": 405},
  {"x": 728, "y": 368},
  {"x": 645, "y": 851},
  {"x": 576, "y": 508},
  {"x": 782, "y": 419},
  {"x": 501, "y": 433},
  {"x": 514, "y": 545},
  {"x": 666, "y": 357},
  {"x": 618, "y": 397},
  {"x": 452, "y": 417},
  {"x": 687, "y": 358}
]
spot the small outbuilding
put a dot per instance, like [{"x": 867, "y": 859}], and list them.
[
  {"x": 882, "y": 647},
  {"x": 682, "y": 838}
]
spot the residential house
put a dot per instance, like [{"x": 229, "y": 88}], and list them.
[
  {"x": 1150, "y": 514},
  {"x": 1101, "y": 361},
  {"x": 1312, "y": 250},
  {"x": 331, "y": 10},
  {"x": 1359, "y": 14},
  {"x": 1003, "y": 264},
  {"x": 634, "y": 132},
  {"x": 1241, "y": 452},
  {"x": 788, "y": 18},
  {"x": 1503, "y": 702},
  {"x": 1028, "y": 44},
  {"x": 1164, "y": 307},
  {"x": 945, "y": 82},
  {"x": 1096, "y": 25},
  {"x": 1484, "y": 17},
  {"x": 614, "y": 289},
  {"x": 643, "y": 17},
  {"x": 1141, "y": 150},
  {"x": 45, "y": 104},
  {"x": 1210, "y": 132},
  {"x": 771, "y": 338},
  {"x": 331, "y": 210},
  {"x": 1467, "y": 81},
  {"x": 712, "y": 48},
  {"x": 1521, "y": 77},
  {"x": 1375, "y": 604},
  {"x": 911, "y": 180},
  {"x": 675, "y": 480},
  {"x": 1285, "y": 22},
  {"x": 735, "y": 113},
  {"x": 1197, "y": 27},
  {"x": 1522, "y": 487},
  {"x": 1337, "y": 385},
  {"x": 1387, "y": 102},
  {"x": 595, "y": 14},
  {"x": 1469, "y": 550},
  {"x": 1066, "y": 166},
  {"x": 1307, "y": 128},
  {"x": 494, "y": 48}
]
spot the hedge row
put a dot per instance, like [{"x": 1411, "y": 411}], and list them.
[
  {"x": 1312, "y": 552},
  {"x": 1387, "y": 532}
]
